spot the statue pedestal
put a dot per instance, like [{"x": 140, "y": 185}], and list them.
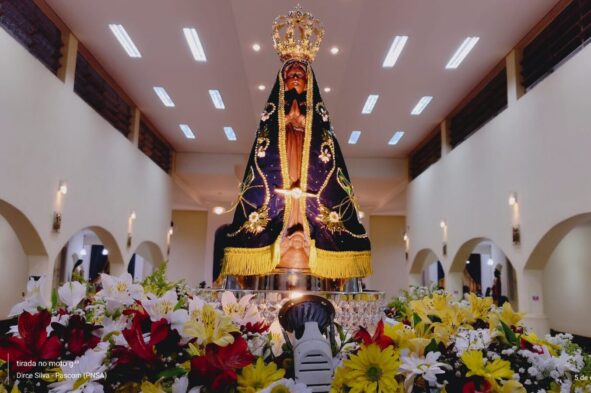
[
  {"x": 286, "y": 279},
  {"x": 351, "y": 309}
]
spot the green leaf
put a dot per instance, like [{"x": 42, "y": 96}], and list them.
[
  {"x": 54, "y": 298},
  {"x": 171, "y": 373},
  {"x": 416, "y": 319},
  {"x": 434, "y": 318},
  {"x": 432, "y": 347},
  {"x": 509, "y": 333}
]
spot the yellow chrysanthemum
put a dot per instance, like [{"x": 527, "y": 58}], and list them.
[
  {"x": 512, "y": 386},
  {"x": 258, "y": 376},
  {"x": 148, "y": 387},
  {"x": 493, "y": 371},
  {"x": 211, "y": 326},
  {"x": 339, "y": 381},
  {"x": 372, "y": 370}
]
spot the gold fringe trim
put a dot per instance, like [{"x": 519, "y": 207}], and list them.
[
  {"x": 341, "y": 264},
  {"x": 249, "y": 261}
]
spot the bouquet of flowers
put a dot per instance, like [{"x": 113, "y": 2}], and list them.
[
  {"x": 429, "y": 342},
  {"x": 152, "y": 337}
]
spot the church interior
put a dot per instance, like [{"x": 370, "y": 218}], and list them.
[{"x": 142, "y": 134}]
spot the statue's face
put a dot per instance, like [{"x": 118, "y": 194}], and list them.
[{"x": 296, "y": 78}]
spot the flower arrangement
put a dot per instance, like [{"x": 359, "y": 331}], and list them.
[
  {"x": 430, "y": 343},
  {"x": 161, "y": 337},
  {"x": 153, "y": 337}
]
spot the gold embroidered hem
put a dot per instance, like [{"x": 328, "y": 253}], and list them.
[{"x": 341, "y": 264}]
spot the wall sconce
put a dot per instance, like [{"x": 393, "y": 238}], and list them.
[
  {"x": 443, "y": 226},
  {"x": 361, "y": 215},
  {"x": 219, "y": 210},
  {"x": 168, "y": 237},
  {"x": 515, "y": 230},
  {"x": 132, "y": 218},
  {"x": 406, "y": 245},
  {"x": 62, "y": 190}
]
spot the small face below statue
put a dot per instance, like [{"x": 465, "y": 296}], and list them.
[{"x": 295, "y": 77}]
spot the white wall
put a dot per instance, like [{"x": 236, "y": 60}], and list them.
[
  {"x": 388, "y": 261},
  {"x": 49, "y": 134},
  {"x": 14, "y": 265},
  {"x": 567, "y": 283},
  {"x": 539, "y": 148},
  {"x": 187, "y": 249}
]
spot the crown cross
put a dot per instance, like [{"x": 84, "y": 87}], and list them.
[{"x": 297, "y": 35}]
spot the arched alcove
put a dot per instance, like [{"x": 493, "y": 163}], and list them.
[
  {"x": 144, "y": 260},
  {"x": 88, "y": 252},
  {"x": 22, "y": 254},
  {"x": 557, "y": 273},
  {"x": 423, "y": 259},
  {"x": 482, "y": 267}
]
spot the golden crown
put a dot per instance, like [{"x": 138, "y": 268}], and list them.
[{"x": 297, "y": 35}]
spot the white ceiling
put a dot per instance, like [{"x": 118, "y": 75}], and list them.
[{"x": 363, "y": 31}]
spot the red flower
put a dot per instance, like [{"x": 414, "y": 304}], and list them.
[
  {"x": 378, "y": 338},
  {"x": 139, "y": 349},
  {"x": 217, "y": 368},
  {"x": 78, "y": 335},
  {"x": 258, "y": 327},
  {"x": 33, "y": 344},
  {"x": 470, "y": 387}
]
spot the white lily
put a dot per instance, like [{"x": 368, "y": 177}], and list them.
[
  {"x": 424, "y": 366},
  {"x": 71, "y": 293},
  {"x": 119, "y": 291},
  {"x": 241, "y": 312},
  {"x": 277, "y": 338},
  {"x": 164, "y": 308},
  {"x": 181, "y": 385},
  {"x": 36, "y": 296},
  {"x": 81, "y": 375}
]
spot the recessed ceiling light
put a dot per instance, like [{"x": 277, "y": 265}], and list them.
[
  {"x": 125, "y": 40},
  {"x": 219, "y": 210},
  {"x": 370, "y": 103},
  {"x": 396, "y": 137},
  {"x": 187, "y": 131},
  {"x": 327, "y": 89},
  {"x": 164, "y": 97},
  {"x": 421, "y": 105},
  {"x": 261, "y": 87},
  {"x": 395, "y": 50},
  {"x": 230, "y": 134},
  {"x": 461, "y": 53},
  {"x": 194, "y": 44},
  {"x": 334, "y": 50},
  {"x": 256, "y": 47},
  {"x": 354, "y": 137},
  {"x": 216, "y": 98}
]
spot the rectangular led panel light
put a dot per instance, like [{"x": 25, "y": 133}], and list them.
[
  {"x": 421, "y": 105},
  {"x": 230, "y": 134},
  {"x": 164, "y": 97},
  {"x": 194, "y": 44},
  {"x": 354, "y": 137},
  {"x": 462, "y": 52},
  {"x": 396, "y": 137},
  {"x": 395, "y": 51},
  {"x": 125, "y": 40},
  {"x": 187, "y": 131},
  {"x": 370, "y": 103},
  {"x": 216, "y": 98}
]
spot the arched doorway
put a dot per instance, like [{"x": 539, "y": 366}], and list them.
[
  {"x": 481, "y": 267},
  {"x": 557, "y": 276},
  {"x": 88, "y": 252},
  {"x": 146, "y": 258},
  {"x": 421, "y": 264},
  {"x": 22, "y": 255}
]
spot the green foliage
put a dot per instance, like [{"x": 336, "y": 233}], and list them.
[{"x": 157, "y": 283}]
